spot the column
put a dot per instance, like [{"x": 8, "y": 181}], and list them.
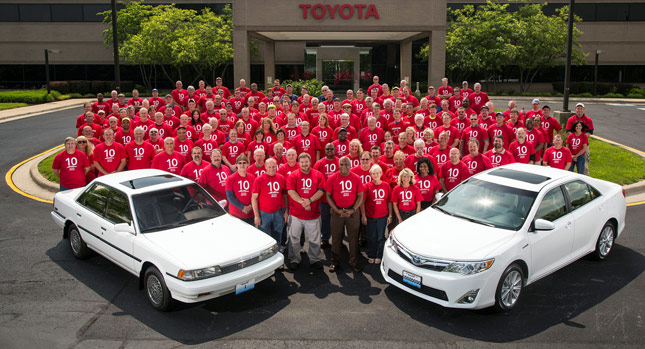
[
  {"x": 242, "y": 56},
  {"x": 269, "y": 63},
  {"x": 406, "y": 62},
  {"x": 437, "y": 57}
]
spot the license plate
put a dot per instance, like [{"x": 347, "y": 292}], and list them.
[
  {"x": 412, "y": 279},
  {"x": 241, "y": 288}
]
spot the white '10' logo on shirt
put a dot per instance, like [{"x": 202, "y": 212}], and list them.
[
  {"x": 306, "y": 183},
  {"x": 522, "y": 150},
  {"x": 346, "y": 185},
  {"x": 71, "y": 162},
  {"x": 575, "y": 142},
  {"x": 442, "y": 158},
  {"x": 453, "y": 172},
  {"x": 379, "y": 194},
  {"x": 109, "y": 154}
]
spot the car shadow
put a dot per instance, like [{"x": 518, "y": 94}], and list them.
[
  {"x": 189, "y": 324},
  {"x": 556, "y": 299}
]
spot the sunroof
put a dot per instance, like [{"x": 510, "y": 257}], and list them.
[
  {"x": 519, "y": 175},
  {"x": 149, "y": 181}
]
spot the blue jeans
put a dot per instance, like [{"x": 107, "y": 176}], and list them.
[
  {"x": 62, "y": 188},
  {"x": 273, "y": 224},
  {"x": 376, "y": 236},
  {"x": 325, "y": 221},
  {"x": 580, "y": 164}
]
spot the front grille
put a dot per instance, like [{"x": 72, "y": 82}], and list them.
[
  {"x": 428, "y": 291},
  {"x": 421, "y": 262},
  {"x": 240, "y": 265}
]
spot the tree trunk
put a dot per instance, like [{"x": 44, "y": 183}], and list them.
[{"x": 165, "y": 72}]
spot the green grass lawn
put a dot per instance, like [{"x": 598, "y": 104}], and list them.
[
  {"x": 615, "y": 164},
  {"x": 5, "y": 106},
  {"x": 45, "y": 168}
]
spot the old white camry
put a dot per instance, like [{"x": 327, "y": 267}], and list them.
[
  {"x": 167, "y": 231},
  {"x": 501, "y": 230}
]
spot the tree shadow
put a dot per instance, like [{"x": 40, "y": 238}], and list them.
[{"x": 556, "y": 299}]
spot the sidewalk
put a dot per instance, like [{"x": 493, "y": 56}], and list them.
[{"x": 37, "y": 109}]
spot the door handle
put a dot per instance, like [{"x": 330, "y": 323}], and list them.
[
  {"x": 103, "y": 229},
  {"x": 78, "y": 214},
  {"x": 569, "y": 224}
]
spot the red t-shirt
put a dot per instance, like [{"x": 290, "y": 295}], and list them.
[
  {"x": 505, "y": 131},
  {"x": 428, "y": 185},
  {"x": 257, "y": 171},
  {"x": 327, "y": 167},
  {"x": 307, "y": 144},
  {"x": 109, "y": 157},
  {"x": 285, "y": 170},
  {"x": 183, "y": 147},
  {"x": 72, "y": 168},
  {"x": 342, "y": 148},
  {"x": 453, "y": 174},
  {"x": 241, "y": 187},
  {"x": 478, "y": 100},
  {"x": 306, "y": 185},
  {"x": 180, "y": 96},
  {"x": 193, "y": 171},
  {"x": 164, "y": 130},
  {"x": 376, "y": 199},
  {"x": 459, "y": 124},
  {"x": 213, "y": 179},
  {"x": 158, "y": 145},
  {"x": 548, "y": 125},
  {"x": 169, "y": 163},
  {"x": 477, "y": 133},
  {"x": 576, "y": 143},
  {"x": 232, "y": 150},
  {"x": 124, "y": 137},
  {"x": 522, "y": 152},
  {"x": 441, "y": 155},
  {"x": 585, "y": 120},
  {"x": 157, "y": 102},
  {"x": 445, "y": 91},
  {"x": 363, "y": 175},
  {"x": 497, "y": 159},
  {"x": 371, "y": 138},
  {"x": 96, "y": 106},
  {"x": 557, "y": 158},
  {"x": 140, "y": 156},
  {"x": 477, "y": 164},
  {"x": 344, "y": 189},
  {"x": 270, "y": 190},
  {"x": 406, "y": 198}
]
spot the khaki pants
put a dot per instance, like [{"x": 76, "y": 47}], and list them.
[
  {"x": 338, "y": 226},
  {"x": 312, "y": 234}
]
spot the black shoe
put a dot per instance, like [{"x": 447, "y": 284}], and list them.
[
  {"x": 362, "y": 243},
  {"x": 325, "y": 244},
  {"x": 357, "y": 269},
  {"x": 317, "y": 265},
  {"x": 293, "y": 265},
  {"x": 333, "y": 268}
]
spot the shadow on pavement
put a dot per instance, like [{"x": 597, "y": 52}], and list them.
[{"x": 556, "y": 299}]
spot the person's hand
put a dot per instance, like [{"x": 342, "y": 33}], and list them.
[
  {"x": 389, "y": 220},
  {"x": 364, "y": 220},
  {"x": 247, "y": 209},
  {"x": 257, "y": 221},
  {"x": 307, "y": 208},
  {"x": 286, "y": 216},
  {"x": 399, "y": 219}
]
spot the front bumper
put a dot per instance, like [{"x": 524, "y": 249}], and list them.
[
  {"x": 442, "y": 288},
  {"x": 201, "y": 290}
]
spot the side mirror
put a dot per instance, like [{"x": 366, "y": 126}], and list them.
[
  {"x": 438, "y": 196},
  {"x": 222, "y": 203},
  {"x": 124, "y": 228},
  {"x": 543, "y": 224}
]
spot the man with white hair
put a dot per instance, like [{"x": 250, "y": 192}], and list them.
[
  {"x": 169, "y": 160},
  {"x": 258, "y": 167},
  {"x": 270, "y": 202},
  {"x": 109, "y": 156},
  {"x": 140, "y": 153}
]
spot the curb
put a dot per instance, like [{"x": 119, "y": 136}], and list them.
[
  {"x": 46, "y": 108},
  {"x": 37, "y": 177}
]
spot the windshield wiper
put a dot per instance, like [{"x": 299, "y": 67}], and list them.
[
  {"x": 442, "y": 210},
  {"x": 475, "y": 221}
]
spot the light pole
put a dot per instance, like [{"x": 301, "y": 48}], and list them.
[
  {"x": 595, "y": 74},
  {"x": 115, "y": 46},
  {"x": 47, "y": 52},
  {"x": 567, "y": 67}
]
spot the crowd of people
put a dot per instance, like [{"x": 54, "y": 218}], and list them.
[{"x": 306, "y": 168}]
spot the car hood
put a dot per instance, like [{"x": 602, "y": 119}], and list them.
[
  {"x": 217, "y": 241},
  {"x": 432, "y": 233}
]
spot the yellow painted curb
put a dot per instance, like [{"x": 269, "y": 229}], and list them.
[{"x": 9, "y": 181}]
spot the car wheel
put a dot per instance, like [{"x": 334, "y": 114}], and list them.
[
  {"x": 605, "y": 242},
  {"x": 156, "y": 290},
  {"x": 76, "y": 243},
  {"x": 509, "y": 288}
]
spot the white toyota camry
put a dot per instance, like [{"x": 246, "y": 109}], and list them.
[
  {"x": 167, "y": 231},
  {"x": 501, "y": 230}
]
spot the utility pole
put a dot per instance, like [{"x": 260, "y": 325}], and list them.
[
  {"x": 115, "y": 45},
  {"x": 567, "y": 67}
]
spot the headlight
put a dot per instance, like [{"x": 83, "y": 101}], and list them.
[
  {"x": 469, "y": 268},
  {"x": 391, "y": 243},
  {"x": 198, "y": 274},
  {"x": 268, "y": 253}
]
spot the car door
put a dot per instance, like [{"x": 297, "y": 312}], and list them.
[
  {"x": 588, "y": 213},
  {"x": 89, "y": 217},
  {"x": 118, "y": 211},
  {"x": 552, "y": 248}
]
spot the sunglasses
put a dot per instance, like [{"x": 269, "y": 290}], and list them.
[
  {"x": 242, "y": 162},
  {"x": 81, "y": 142}
]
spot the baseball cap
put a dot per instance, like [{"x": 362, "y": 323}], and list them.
[
  {"x": 168, "y": 96},
  {"x": 155, "y": 90},
  {"x": 580, "y": 105},
  {"x": 125, "y": 119},
  {"x": 464, "y": 82},
  {"x": 536, "y": 101},
  {"x": 483, "y": 106},
  {"x": 228, "y": 103},
  {"x": 342, "y": 129},
  {"x": 499, "y": 113},
  {"x": 395, "y": 88}
]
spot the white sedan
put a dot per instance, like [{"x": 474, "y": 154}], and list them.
[
  {"x": 501, "y": 230},
  {"x": 167, "y": 231}
]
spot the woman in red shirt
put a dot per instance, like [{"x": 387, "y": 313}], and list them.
[
  {"x": 376, "y": 213},
  {"x": 406, "y": 197},
  {"x": 578, "y": 142},
  {"x": 87, "y": 147},
  {"x": 427, "y": 182}
]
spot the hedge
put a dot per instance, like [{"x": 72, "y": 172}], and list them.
[
  {"x": 93, "y": 87},
  {"x": 602, "y": 89},
  {"x": 29, "y": 97}
]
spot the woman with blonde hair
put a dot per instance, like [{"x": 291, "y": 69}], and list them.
[
  {"x": 268, "y": 127},
  {"x": 406, "y": 197},
  {"x": 242, "y": 135},
  {"x": 87, "y": 147},
  {"x": 355, "y": 151}
]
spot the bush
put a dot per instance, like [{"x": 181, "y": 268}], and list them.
[
  {"x": 614, "y": 95},
  {"x": 314, "y": 86},
  {"x": 101, "y": 86},
  {"x": 636, "y": 91},
  {"x": 602, "y": 88},
  {"x": 634, "y": 95},
  {"x": 585, "y": 95},
  {"x": 60, "y": 86},
  {"x": 29, "y": 97},
  {"x": 80, "y": 86}
]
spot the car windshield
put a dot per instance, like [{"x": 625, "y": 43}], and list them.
[
  {"x": 488, "y": 204},
  {"x": 174, "y": 207}
]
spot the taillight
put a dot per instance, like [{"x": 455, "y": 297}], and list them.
[{"x": 623, "y": 192}]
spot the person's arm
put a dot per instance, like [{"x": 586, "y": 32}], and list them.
[
  {"x": 418, "y": 206},
  {"x": 256, "y": 210},
  {"x": 285, "y": 199},
  {"x": 532, "y": 159},
  {"x": 396, "y": 212},
  {"x": 296, "y": 197},
  {"x": 100, "y": 168},
  {"x": 57, "y": 172},
  {"x": 233, "y": 167},
  {"x": 389, "y": 211},
  {"x": 443, "y": 185},
  {"x": 332, "y": 203},
  {"x": 317, "y": 195},
  {"x": 486, "y": 144},
  {"x": 363, "y": 216},
  {"x": 124, "y": 161},
  {"x": 233, "y": 200},
  {"x": 455, "y": 144},
  {"x": 86, "y": 169}
]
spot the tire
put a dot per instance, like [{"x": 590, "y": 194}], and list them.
[
  {"x": 156, "y": 290},
  {"x": 605, "y": 242},
  {"x": 76, "y": 244},
  {"x": 509, "y": 288}
]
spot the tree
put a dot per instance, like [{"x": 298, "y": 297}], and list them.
[
  {"x": 490, "y": 38},
  {"x": 160, "y": 36}
]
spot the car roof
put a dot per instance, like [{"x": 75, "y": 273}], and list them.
[
  {"x": 525, "y": 176},
  {"x": 123, "y": 181}
]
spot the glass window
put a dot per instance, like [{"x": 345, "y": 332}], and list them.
[
  {"x": 9, "y": 13},
  {"x": 67, "y": 12},
  {"x": 95, "y": 198},
  {"x": 579, "y": 194},
  {"x": 118, "y": 208},
  {"x": 637, "y": 12},
  {"x": 553, "y": 206},
  {"x": 612, "y": 12},
  {"x": 35, "y": 13},
  {"x": 90, "y": 12},
  {"x": 586, "y": 11}
]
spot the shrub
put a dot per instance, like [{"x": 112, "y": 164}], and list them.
[
  {"x": 634, "y": 95},
  {"x": 584, "y": 94},
  {"x": 314, "y": 86},
  {"x": 29, "y": 97},
  {"x": 602, "y": 88},
  {"x": 614, "y": 95},
  {"x": 636, "y": 91},
  {"x": 60, "y": 86}
]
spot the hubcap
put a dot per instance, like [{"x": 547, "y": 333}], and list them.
[
  {"x": 606, "y": 241},
  {"x": 75, "y": 241},
  {"x": 511, "y": 288},
  {"x": 155, "y": 290}
]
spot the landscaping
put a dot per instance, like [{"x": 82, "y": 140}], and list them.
[
  {"x": 45, "y": 168},
  {"x": 5, "y": 106}
]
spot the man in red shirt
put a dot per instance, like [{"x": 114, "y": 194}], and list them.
[
  {"x": 97, "y": 130},
  {"x": 485, "y": 118},
  {"x": 140, "y": 153},
  {"x": 218, "y": 86},
  {"x": 305, "y": 187},
  {"x": 232, "y": 149},
  {"x": 308, "y": 143},
  {"x": 175, "y": 109},
  {"x": 375, "y": 86},
  {"x": 549, "y": 124},
  {"x": 514, "y": 122},
  {"x": 444, "y": 91},
  {"x": 155, "y": 141},
  {"x": 474, "y": 132},
  {"x": 344, "y": 191},
  {"x": 498, "y": 155},
  {"x": 269, "y": 201},
  {"x": 475, "y": 161},
  {"x": 214, "y": 177},
  {"x": 455, "y": 101},
  {"x": 135, "y": 101},
  {"x": 179, "y": 95},
  {"x": 125, "y": 134},
  {"x": 453, "y": 172},
  {"x": 144, "y": 121},
  {"x": 183, "y": 144},
  {"x": 461, "y": 121},
  {"x": 257, "y": 168},
  {"x": 412, "y": 160},
  {"x": 156, "y": 101},
  {"x": 109, "y": 156},
  {"x": 478, "y": 98},
  {"x": 501, "y": 129},
  {"x": 193, "y": 170},
  {"x": 238, "y": 191},
  {"x": 536, "y": 137},
  {"x": 277, "y": 90},
  {"x": 206, "y": 143},
  {"x": 291, "y": 164},
  {"x": 442, "y": 152},
  {"x": 169, "y": 160},
  {"x": 465, "y": 91},
  {"x": 535, "y": 111},
  {"x": 371, "y": 135},
  {"x": 100, "y": 104},
  {"x": 557, "y": 156},
  {"x": 164, "y": 129},
  {"x": 522, "y": 150},
  {"x": 71, "y": 166},
  {"x": 242, "y": 88},
  {"x": 453, "y": 134}
]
